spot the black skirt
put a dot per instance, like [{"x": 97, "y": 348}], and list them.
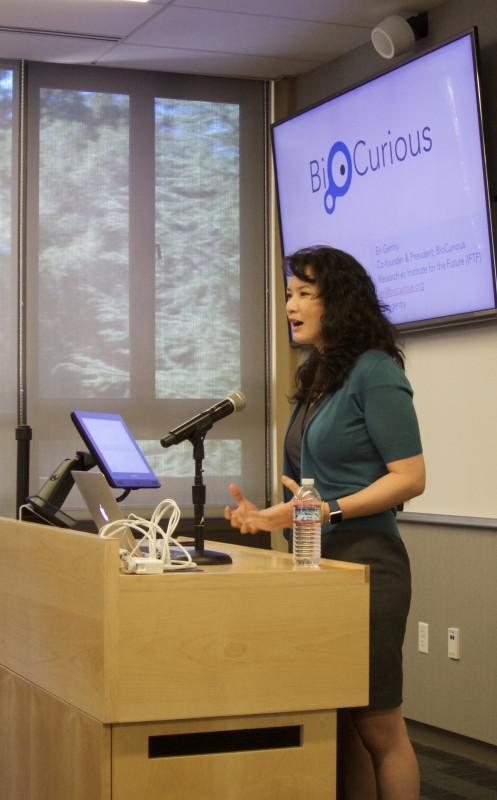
[{"x": 390, "y": 599}]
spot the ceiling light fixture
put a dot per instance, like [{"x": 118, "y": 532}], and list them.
[{"x": 397, "y": 34}]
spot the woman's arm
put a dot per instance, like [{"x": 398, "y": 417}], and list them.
[{"x": 405, "y": 479}]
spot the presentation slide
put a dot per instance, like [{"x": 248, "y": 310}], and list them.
[{"x": 392, "y": 172}]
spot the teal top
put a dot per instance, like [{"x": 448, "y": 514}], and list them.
[{"x": 354, "y": 432}]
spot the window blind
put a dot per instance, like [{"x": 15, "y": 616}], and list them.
[{"x": 146, "y": 269}]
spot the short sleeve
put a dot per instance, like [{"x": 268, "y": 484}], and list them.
[{"x": 391, "y": 420}]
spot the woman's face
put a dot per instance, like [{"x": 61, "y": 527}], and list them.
[{"x": 304, "y": 309}]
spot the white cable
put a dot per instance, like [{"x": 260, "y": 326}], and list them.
[{"x": 151, "y": 551}]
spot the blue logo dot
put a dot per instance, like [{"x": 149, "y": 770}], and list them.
[{"x": 339, "y": 175}]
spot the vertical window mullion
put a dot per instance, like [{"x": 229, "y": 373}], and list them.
[
  {"x": 142, "y": 246},
  {"x": 9, "y": 262}
]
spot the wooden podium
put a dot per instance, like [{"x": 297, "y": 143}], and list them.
[{"x": 216, "y": 684}]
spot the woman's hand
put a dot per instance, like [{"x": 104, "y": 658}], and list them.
[
  {"x": 242, "y": 516},
  {"x": 249, "y": 519}
]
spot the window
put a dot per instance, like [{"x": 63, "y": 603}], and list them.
[
  {"x": 146, "y": 268},
  {"x": 8, "y": 284}
]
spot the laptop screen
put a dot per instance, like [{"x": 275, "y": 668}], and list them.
[{"x": 115, "y": 450}]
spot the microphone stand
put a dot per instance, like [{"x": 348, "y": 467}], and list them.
[{"x": 199, "y": 554}]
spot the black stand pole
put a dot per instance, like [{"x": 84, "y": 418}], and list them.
[
  {"x": 199, "y": 554},
  {"x": 23, "y": 436}
]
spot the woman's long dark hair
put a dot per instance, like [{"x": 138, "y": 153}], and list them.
[{"x": 353, "y": 320}]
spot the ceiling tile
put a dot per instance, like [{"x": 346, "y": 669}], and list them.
[
  {"x": 213, "y": 31},
  {"x": 66, "y": 49},
  {"x": 107, "y": 17},
  {"x": 363, "y": 13},
  {"x": 199, "y": 62}
]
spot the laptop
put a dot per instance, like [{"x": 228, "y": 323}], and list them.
[
  {"x": 98, "y": 497},
  {"x": 101, "y": 503}
]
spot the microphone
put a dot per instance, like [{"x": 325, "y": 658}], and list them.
[{"x": 235, "y": 401}]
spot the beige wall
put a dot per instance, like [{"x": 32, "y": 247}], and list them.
[
  {"x": 454, "y": 585},
  {"x": 454, "y": 565}
]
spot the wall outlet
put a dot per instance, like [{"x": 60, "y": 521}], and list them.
[
  {"x": 453, "y": 643},
  {"x": 423, "y": 637}
]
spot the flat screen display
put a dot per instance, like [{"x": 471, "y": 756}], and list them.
[
  {"x": 393, "y": 172},
  {"x": 115, "y": 450}
]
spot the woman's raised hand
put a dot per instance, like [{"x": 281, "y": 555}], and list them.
[{"x": 249, "y": 519}]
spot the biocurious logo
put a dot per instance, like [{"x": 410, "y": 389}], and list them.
[{"x": 334, "y": 176}]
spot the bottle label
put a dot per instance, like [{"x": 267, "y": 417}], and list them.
[{"x": 307, "y": 513}]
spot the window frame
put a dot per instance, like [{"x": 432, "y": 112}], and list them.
[{"x": 147, "y": 416}]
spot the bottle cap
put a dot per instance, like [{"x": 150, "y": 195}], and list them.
[{"x": 307, "y": 481}]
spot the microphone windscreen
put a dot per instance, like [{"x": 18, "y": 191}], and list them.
[{"x": 238, "y": 400}]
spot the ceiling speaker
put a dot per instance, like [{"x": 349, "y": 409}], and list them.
[{"x": 397, "y": 35}]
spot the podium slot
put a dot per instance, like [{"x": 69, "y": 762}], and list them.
[{"x": 191, "y": 744}]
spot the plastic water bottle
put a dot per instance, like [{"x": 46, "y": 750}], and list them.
[{"x": 307, "y": 526}]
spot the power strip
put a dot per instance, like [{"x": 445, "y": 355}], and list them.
[{"x": 141, "y": 566}]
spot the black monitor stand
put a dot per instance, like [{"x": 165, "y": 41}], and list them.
[{"x": 46, "y": 505}]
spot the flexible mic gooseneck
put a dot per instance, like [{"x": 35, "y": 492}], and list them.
[{"x": 235, "y": 401}]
